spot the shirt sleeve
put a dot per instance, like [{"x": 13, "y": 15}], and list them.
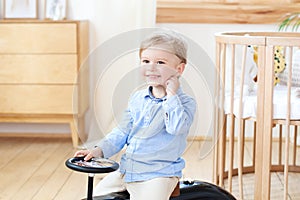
[
  {"x": 179, "y": 114},
  {"x": 117, "y": 138}
]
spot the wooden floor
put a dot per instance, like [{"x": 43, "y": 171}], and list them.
[{"x": 33, "y": 168}]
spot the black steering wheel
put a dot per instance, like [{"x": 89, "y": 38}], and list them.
[{"x": 94, "y": 165}]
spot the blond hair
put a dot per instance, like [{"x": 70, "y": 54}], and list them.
[{"x": 166, "y": 40}]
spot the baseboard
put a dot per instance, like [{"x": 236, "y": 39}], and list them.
[{"x": 36, "y": 135}]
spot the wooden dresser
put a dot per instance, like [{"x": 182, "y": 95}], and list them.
[{"x": 42, "y": 79}]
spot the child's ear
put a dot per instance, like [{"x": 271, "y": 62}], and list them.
[{"x": 180, "y": 68}]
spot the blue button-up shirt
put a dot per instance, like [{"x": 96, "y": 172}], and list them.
[{"x": 154, "y": 131}]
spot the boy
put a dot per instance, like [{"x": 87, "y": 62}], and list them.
[{"x": 154, "y": 128}]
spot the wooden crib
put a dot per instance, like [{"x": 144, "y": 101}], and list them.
[{"x": 244, "y": 108}]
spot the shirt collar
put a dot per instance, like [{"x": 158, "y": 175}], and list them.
[{"x": 148, "y": 94}]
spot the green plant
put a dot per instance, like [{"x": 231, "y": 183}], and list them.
[{"x": 290, "y": 22}]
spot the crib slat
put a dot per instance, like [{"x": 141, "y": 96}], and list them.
[
  {"x": 258, "y": 187},
  {"x": 242, "y": 141},
  {"x": 216, "y": 115},
  {"x": 288, "y": 119},
  {"x": 267, "y": 122},
  {"x": 220, "y": 153},
  {"x": 231, "y": 152},
  {"x": 216, "y": 111},
  {"x": 222, "y": 140},
  {"x": 254, "y": 144},
  {"x": 223, "y": 147},
  {"x": 232, "y": 120},
  {"x": 240, "y": 135},
  {"x": 295, "y": 145},
  {"x": 280, "y": 145}
]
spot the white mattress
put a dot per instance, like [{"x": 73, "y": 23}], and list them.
[{"x": 279, "y": 104}]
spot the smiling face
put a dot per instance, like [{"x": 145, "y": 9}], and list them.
[{"x": 158, "y": 65}]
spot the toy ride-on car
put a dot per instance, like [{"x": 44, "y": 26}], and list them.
[{"x": 188, "y": 190}]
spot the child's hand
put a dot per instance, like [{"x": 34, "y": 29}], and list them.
[
  {"x": 89, "y": 154},
  {"x": 172, "y": 85}
]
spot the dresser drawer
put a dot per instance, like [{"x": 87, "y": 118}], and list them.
[
  {"x": 28, "y": 69},
  {"x": 38, "y": 38},
  {"x": 37, "y": 99},
  {"x": 41, "y": 77}
]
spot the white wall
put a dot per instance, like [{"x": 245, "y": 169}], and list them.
[{"x": 109, "y": 18}]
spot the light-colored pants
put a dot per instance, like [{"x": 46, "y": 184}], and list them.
[{"x": 154, "y": 189}]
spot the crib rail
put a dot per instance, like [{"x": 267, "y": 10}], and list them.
[{"x": 231, "y": 120}]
